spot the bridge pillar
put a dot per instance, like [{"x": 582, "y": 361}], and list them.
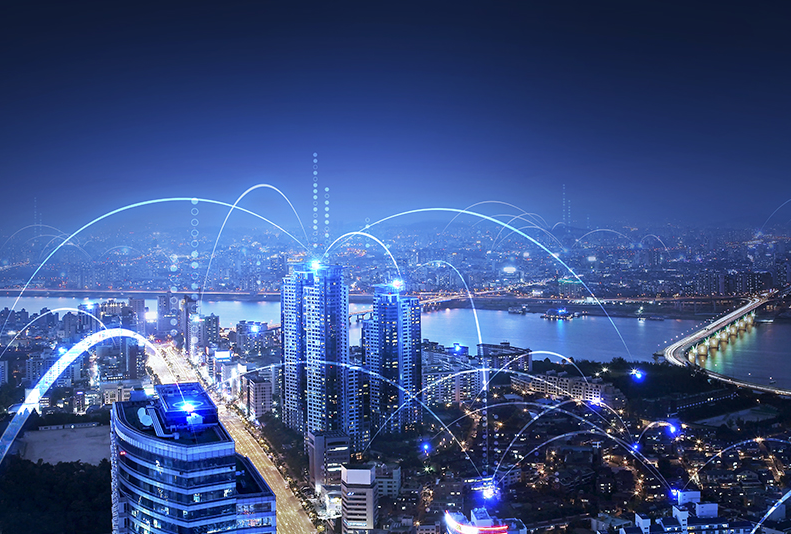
[{"x": 723, "y": 336}]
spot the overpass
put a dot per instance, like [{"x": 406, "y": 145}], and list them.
[{"x": 710, "y": 337}]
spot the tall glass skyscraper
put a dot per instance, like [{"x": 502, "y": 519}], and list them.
[
  {"x": 314, "y": 315},
  {"x": 391, "y": 340},
  {"x": 175, "y": 469}
]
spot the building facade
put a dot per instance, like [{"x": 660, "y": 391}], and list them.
[
  {"x": 257, "y": 394},
  {"x": 315, "y": 338},
  {"x": 327, "y": 452},
  {"x": 359, "y": 499},
  {"x": 449, "y": 374},
  {"x": 561, "y": 385},
  {"x": 391, "y": 340},
  {"x": 175, "y": 469}
]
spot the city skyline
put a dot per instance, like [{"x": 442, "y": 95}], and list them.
[
  {"x": 658, "y": 113},
  {"x": 523, "y": 262}
]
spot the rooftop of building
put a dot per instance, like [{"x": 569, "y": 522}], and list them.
[
  {"x": 189, "y": 397},
  {"x": 180, "y": 413}
]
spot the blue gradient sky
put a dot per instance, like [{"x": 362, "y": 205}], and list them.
[{"x": 647, "y": 111}]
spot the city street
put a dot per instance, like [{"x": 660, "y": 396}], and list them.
[{"x": 291, "y": 516}]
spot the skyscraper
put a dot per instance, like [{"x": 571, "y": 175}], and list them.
[
  {"x": 167, "y": 315},
  {"x": 175, "y": 469},
  {"x": 391, "y": 340},
  {"x": 139, "y": 307},
  {"x": 314, "y": 315}
]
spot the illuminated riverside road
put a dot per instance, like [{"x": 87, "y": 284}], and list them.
[
  {"x": 291, "y": 516},
  {"x": 676, "y": 353}
]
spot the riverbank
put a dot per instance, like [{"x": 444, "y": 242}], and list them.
[
  {"x": 656, "y": 309},
  {"x": 626, "y": 309}
]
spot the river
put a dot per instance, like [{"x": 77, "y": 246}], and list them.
[
  {"x": 593, "y": 338},
  {"x": 759, "y": 355}
]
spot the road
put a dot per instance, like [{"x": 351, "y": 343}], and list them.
[
  {"x": 291, "y": 516},
  {"x": 676, "y": 353}
]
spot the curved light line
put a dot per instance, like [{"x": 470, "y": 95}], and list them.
[
  {"x": 50, "y": 312},
  {"x": 374, "y": 374},
  {"x": 365, "y": 234},
  {"x": 469, "y": 295},
  {"x": 30, "y": 226},
  {"x": 503, "y": 215},
  {"x": 228, "y": 215},
  {"x": 773, "y": 214},
  {"x": 51, "y": 376},
  {"x": 538, "y": 416},
  {"x": 771, "y": 510},
  {"x": 658, "y": 239},
  {"x": 39, "y": 236},
  {"x": 537, "y": 216},
  {"x": 125, "y": 208},
  {"x": 66, "y": 243},
  {"x": 601, "y": 230},
  {"x": 547, "y": 232},
  {"x": 568, "y": 268},
  {"x": 637, "y": 454},
  {"x": 726, "y": 449}
]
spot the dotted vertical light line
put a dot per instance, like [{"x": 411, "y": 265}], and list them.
[
  {"x": 315, "y": 200},
  {"x": 193, "y": 303},
  {"x": 326, "y": 217},
  {"x": 174, "y": 301}
]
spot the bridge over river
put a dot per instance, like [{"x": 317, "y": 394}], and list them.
[{"x": 721, "y": 331}]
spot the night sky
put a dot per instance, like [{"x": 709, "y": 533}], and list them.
[{"x": 649, "y": 112}]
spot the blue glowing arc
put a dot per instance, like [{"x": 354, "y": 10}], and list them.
[
  {"x": 50, "y": 312},
  {"x": 469, "y": 294},
  {"x": 121, "y": 210},
  {"x": 532, "y": 240},
  {"x": 30, "y": 226},
  {"x": 51, "y": 376},
  {"x": 773, "y": 214},
  {"x": 500, "y": 202},
  {"x": 349, "y": 235},
  {"x": 583, "y": 236},
  {"x": 235, "y": 206}
]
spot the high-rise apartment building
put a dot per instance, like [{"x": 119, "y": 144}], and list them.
[
  {"x": 315, "y": 338},
  {"x": 250, "y": 337},
  {"x": 357, "y": 391},
  {"x": 391, "y": 340},
  {"x": 175, "y": 469},
  {"x": 167, "y": 315},
  {"x": 189, "y": 324},
  {"x": 139, "y": 308},
  {"x": 3, "y": 372},
  {"x": 450, "y": 374},
  {"x": 211, "y": 329},
  {"x": 256, "y": 394}
]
